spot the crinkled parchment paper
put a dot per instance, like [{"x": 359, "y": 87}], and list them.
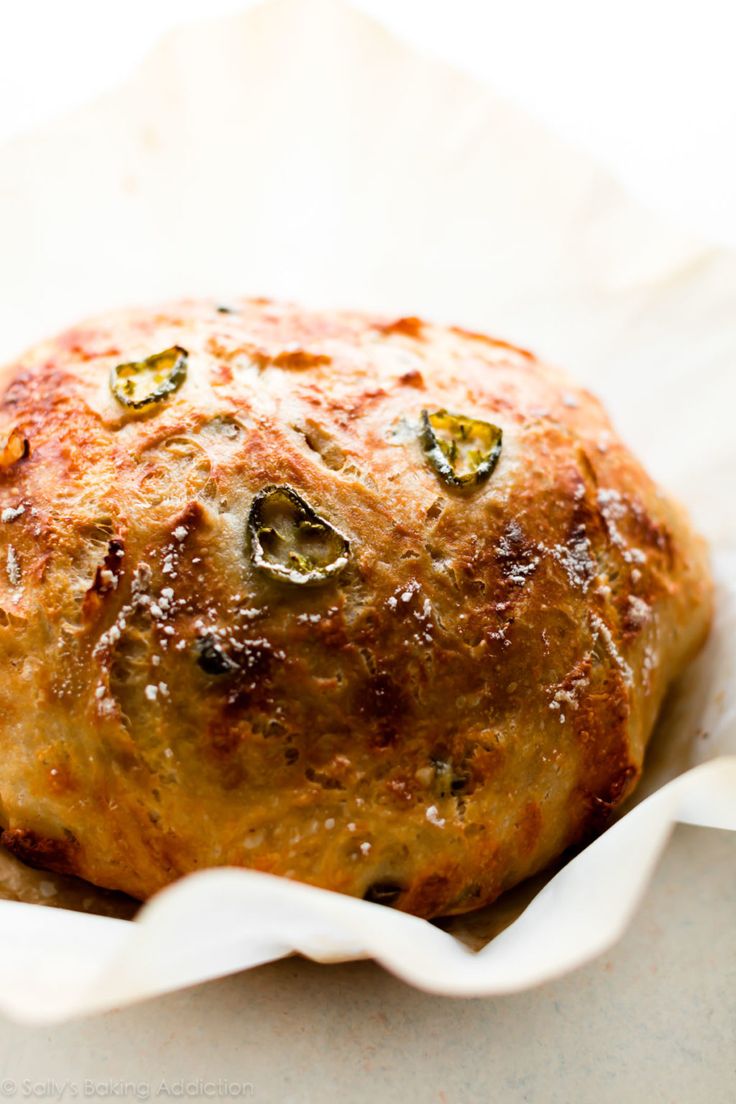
[{"x": 300, "y": 151}]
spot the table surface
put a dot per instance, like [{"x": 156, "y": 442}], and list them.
[{"x": 652, "y": 1021}]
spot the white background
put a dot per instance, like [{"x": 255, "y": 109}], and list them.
[{"x": 649, "y": 86}]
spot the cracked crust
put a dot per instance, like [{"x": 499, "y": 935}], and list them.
[{"x": 471, "y": 695}]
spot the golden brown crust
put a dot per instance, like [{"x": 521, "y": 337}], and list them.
[{"x": 470, "y": 695}]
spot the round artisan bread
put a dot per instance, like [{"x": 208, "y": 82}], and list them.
[{"x": 378, "y": 605}]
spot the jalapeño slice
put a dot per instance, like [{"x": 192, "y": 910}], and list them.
[
  {"x": 143, "y": 382},
  {"x": 290, "y": 542},
  {"x": 463, "y": 451},
  {"x": 212, "y": 658}
]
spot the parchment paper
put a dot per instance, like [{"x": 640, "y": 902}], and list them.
[{"x": 300, "y": 151}]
